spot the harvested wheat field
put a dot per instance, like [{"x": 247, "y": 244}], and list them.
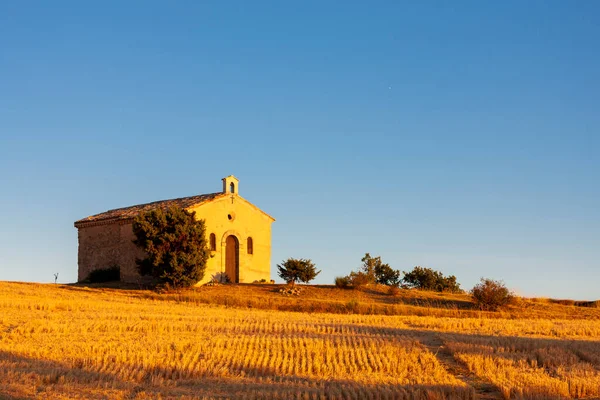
[{"x": 67, "y": 342}]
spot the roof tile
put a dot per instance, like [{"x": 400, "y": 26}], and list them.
[{"x": 126, "y": 213}]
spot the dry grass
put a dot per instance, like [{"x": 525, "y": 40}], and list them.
[
  {"x": 71, "y": 342},
  {"x": 375, "y": 300},
  {"x": 532, "y": 368}
]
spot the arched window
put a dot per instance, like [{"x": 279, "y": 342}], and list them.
[
  {"x": 232, "y": 187},
  {"x": 250, "y": 246},
  {"x": 213, "y": 242}
]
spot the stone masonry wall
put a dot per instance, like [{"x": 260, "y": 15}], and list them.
[{"x": 104, "y": 246}]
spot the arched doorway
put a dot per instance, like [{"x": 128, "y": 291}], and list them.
[{"x": 232, "y": 258}]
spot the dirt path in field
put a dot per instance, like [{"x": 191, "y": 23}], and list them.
[{"x": 484, "y": 389}]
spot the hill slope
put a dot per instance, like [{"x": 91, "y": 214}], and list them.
[
  {"x": 372, "y": 300},
  {"x": 73, "y": 342}
]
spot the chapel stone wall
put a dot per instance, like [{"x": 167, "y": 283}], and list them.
[{"x": 104, "y": 246}]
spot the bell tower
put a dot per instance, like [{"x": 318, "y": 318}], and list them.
[{"x": 230, "y": 184}]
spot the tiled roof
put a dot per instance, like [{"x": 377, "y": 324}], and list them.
[{"x": 128, "y": 213}]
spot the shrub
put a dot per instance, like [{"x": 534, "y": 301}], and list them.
[
  {"x": 593, "y": 304},
  {"x": 393, "y": 290},
  {"x": 297, "y": 270},
  {"x": 353, "y": 306},
  {"x": 428, "y": 279},
  {"x": 105, "y": 275},
  {"x": 564, "y": 302},
  {"x": 221, "y": 277},
  {"x": 359, "y": 279},
  {"x": 490, "y": 295},
  {"x": 342, "y": 282},
  {"x": 175, "y": 246}
]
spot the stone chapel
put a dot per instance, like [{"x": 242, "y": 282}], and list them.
[{"x": 238, "y": 234}]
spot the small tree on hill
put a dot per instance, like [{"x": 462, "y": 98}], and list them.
[
  {"x": 386, "y": 275},
  {"x": 379, "y": 272},
  {"x": 368, "y": 266},
  {"x": 175, "y": 246},
  {"x": 297, "y": 270},
  {"x": 490, "y": 295},
  {"x": 428, "y": 279}
]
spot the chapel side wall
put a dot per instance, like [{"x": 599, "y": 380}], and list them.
[{"x": 104, "y": 246}]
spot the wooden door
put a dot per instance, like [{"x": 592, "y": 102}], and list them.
[{"x": 232, "y": 258}]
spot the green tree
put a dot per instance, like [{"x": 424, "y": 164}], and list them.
[
  {"x": 490, "y": 295},
  {"x": 297, "y": 270},
  {"x": 379, "y": 272},
  {"x": 368, "y": 266},
  {"x": 386, "y": 275},
  {"x": 429, "y": 279},
  {"x": 175, "y": 246}
]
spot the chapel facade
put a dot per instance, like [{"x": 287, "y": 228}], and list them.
[{"x": 238, "y": 235}]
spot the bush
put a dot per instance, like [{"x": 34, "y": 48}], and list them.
[
  {"x": 428, "y": 279},
  {"x": 297, "y": 270},
  {"x": 359, "y": 279},
  {"x": 593, "y": 304},
  {"x": 393, "y": 290},
  {"x": 353, "y": 306},
  {"x": 105, "y": 275},
  {"x": 220, "y": 277},
  {"x": 490, "y": 295},
  {"x": 175, "y": 245},
  {"x": 342, "y": 282},
  {"x": 564, "y": 302}
]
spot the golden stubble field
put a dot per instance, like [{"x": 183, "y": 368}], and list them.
[{"x": 61, "y": 342}]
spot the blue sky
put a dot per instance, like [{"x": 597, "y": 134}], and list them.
[{"x": 460, "y": 136}]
